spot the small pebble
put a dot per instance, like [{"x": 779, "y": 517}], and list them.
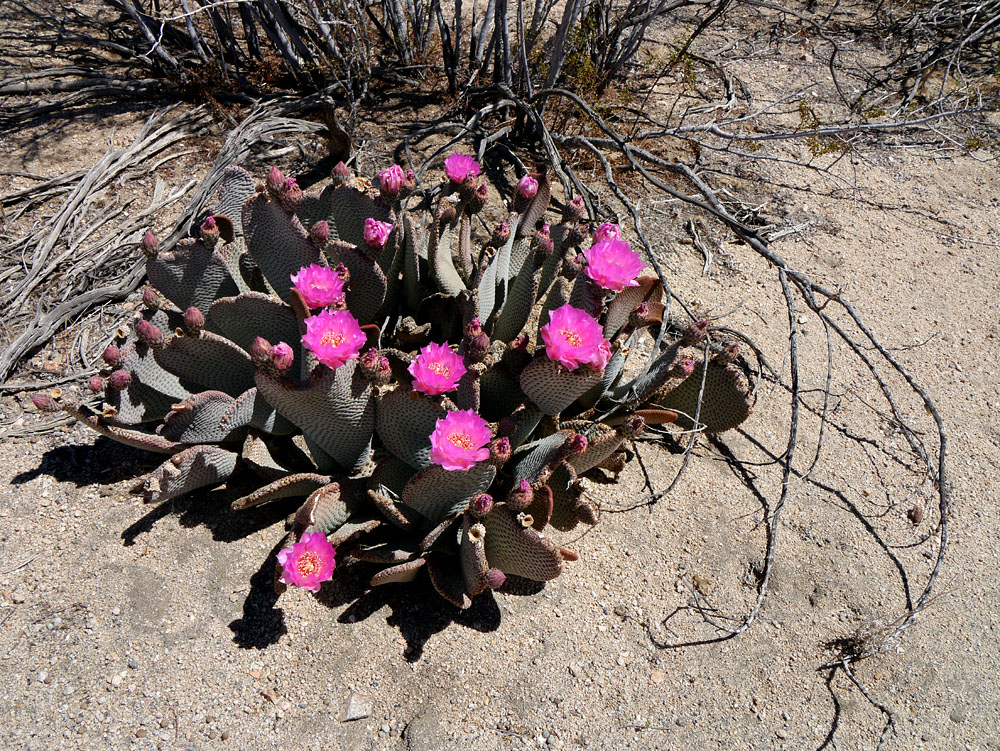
[{"x": 133, "y": 664}]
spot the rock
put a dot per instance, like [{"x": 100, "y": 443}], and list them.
[
  {"x": 658, "y": 677},
  {"x": 959, "y": 714},
  {"x": 356, "y": 707}
]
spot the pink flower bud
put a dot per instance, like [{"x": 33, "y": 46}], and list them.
[
  {"x": 521, "y": 496},
  {"x": 729, "y": 354},
  {"x": 148, "y": 244},
  {"x": 578, "y": 443},
  {"x": 479, "y": 346},
  {"x": 95, "y": 384},
  {"x": 696, "y": 332},
  {"x": 151, "y": 299},
  {"x": 275, "y": 181},
  {"x": 113, "y": 356},
  {"x": 44, "y": 403},
  {"x": 281, "y": 356},
  {"x": 495, "y": 578},
  {"x": 473, "y": 329},
  {"x": 319, "y": 233},
  {"x": 391, "y": 181},
  {"x": 148, "y": 333},
  {"x": 500, "y": 235},
  {"x": 120, "y": 380},
  {"x": 685, "y": 367},
  {"x": 209, "y": 232},
  {"x": 341, "y": 173},
  {"x": 607, "y": 231},
  {"x": 481, "y": 504},
  {"x": 194, "y": 320},
  {"x": 259, "y": 350},
  {"x": 376, "y": 233},
  {"x": 500, "y": 450},
  {"x": 543, "y": 242},
  {"x": 290, "y": 196},
  {"x": 634, "y": 426},
  {"x": 574, "y": 210},
  {"x": 527, "y": 187}
]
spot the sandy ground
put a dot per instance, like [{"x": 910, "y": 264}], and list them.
[{"x": 123, "y": 626}]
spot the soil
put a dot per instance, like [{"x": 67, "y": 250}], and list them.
[{"x": 127, "y": 626}]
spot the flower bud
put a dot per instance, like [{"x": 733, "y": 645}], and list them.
[
  {"x": 543, "y": 243},
  {"x": 520, "y": 344},
  {"x": 527, "y": 187},
  {"x": 113, "y": 356},
  {"x": 391, "y": 181},
  {"x": 473, "y": 329},
  {"x": 696, "y": 332},
  {"x": 574, "y": 210},
  {"x": 44, "y": 403},
  {"x": 194, "y": 320},
  {"x": 481, "y": 505},
  {"x": 290, "y": 196},
  {"x": 148, "y": 333},
  {"x": 281, "y": 356},
  {"x": 478, "y": 347},
  {"x": 684, "y": 368},
  {"x": 376, "y": 234},
  {"x": 152, "y": 299},
  {"x": 275, "y": 182},
  {"x": 342, "y": 273},
  {"x": 341, "y": 173},
  {"x": 576, "y": 235},
  {"x": 477, "y": 201},
  {"x": 95, "y": 384},
  {"x": 120, "y": 380},
  {"x": 209, "y": 232},
  {"x": 319, "y": 233},
  {"x": 521, "y": 496},
  {"x": 578, "y": 444},
  {"x": 729, "y": 354},
  {"x": 640, "y": 317},
  {"x": 633, "y": 426},
  {"x": 500, "y": 235},
  {"x": 148, "y": 244},
  {"x": 495, "y": 578},
  {"x": 500, "y": 451},
  {"x": 259, "y": 350}
]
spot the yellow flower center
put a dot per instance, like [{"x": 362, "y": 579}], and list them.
[
  {"x": 440, "y": 368},
  {"x": 462, "y": 440},
  {"x": 571, "y": 337},
  {"x": 331, "y": 338},
  {"x": 308, "y": 564}
]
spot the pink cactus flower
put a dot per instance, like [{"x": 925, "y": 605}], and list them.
[
  {"x": 460, "y": 166},
  {"x": 376, "y": 233},
  {"x": 613, "y": 264},
  {"x": 459, "y": 440},
  {"x": 607, "y": 231},
  {"x": 527, "y": 187},
  {"x": 319, "y": 285},
  {"x": 391, "y": 180},
  {"x": 334, "y": 337},
  {"x": 572, "y": 338},
  {"x": 308, "y": 563},
  {"x": 436, "y": 369}
]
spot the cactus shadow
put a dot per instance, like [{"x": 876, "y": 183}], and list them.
[
  {"x": 262, "y": 623},
  {"x": 210, "y": 509},
  {"x": 103, "y": 462},
  {"x": 416, "y": 609}
]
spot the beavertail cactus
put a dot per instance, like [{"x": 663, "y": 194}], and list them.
[{"x": 430, "y": 397}]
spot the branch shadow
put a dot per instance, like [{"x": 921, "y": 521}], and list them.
[{"x": 262, "y": 623}]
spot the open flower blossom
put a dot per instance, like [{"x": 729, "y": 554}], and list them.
[
  {"x": 460, "y": 166},
  {"x": 459, "y": 440},
  {"x": 376, "y": 233},
  {"x": 319, "y": 285},
  {"x": 613, "y": 264},
  {"x": 573, "y": 338},
  {"x": 607, "y": 231},
  {"x": 308, "y": 563},
  {"x": 334, "y": 337},
  {"x": 436, "y": 369}
]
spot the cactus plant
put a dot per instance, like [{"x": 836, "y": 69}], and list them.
[{"x": 434, "y": 400}]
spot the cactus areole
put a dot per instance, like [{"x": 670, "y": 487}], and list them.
[{"x": 429, "y": 397}]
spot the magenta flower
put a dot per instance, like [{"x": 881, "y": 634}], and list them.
[
  {"x": 376, "y": 232},
  {"x": 436, "y": 369},
  {"x": 334, "y": 337},
  {"x": 607, "y": 231},
  {"x": 527, "y": 187},
  {"x": 459, "y": 440},
  {"x": 613, "y": 264},
  {"x": 572, "y": 338},
  {"x": 319, "y": 285},
  {"x": 460, "y": 166},
  {"x": 391, "y": 180},
  {"x": 308, "y": 563}
]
